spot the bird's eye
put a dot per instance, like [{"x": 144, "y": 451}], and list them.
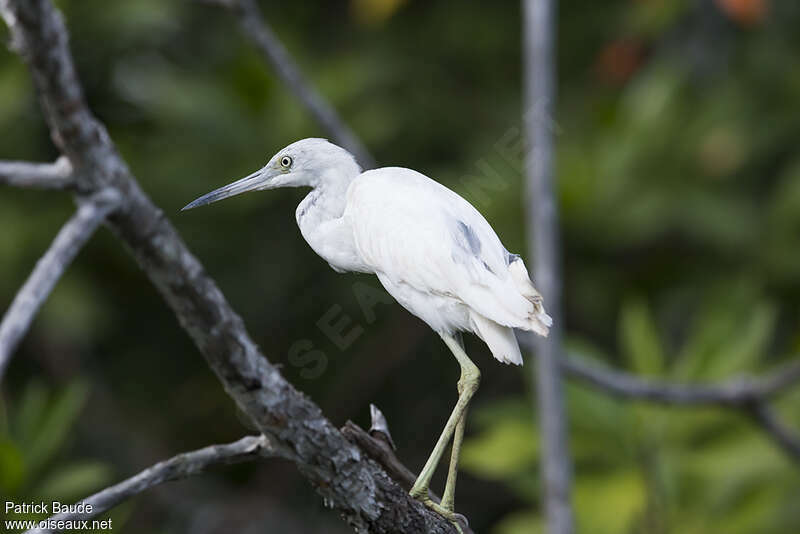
[{"x": 286, "y": 162}]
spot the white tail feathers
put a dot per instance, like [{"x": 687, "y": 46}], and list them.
[
  {"x": 538, "y": 321},
  {"x": 500, "y": 339}
]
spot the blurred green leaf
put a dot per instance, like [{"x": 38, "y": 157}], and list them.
[
  {"x": 730, "y": 334},
  {"x": 598, "y": 419},
  {"x": 506, "y": 409},
  {"x": 639, "y": 338},
  {"x": 30, "y": 413},
  {"x": 521, "y": 523},
  {"x": 749, "y": 344},
  {"x": 74, "y": 481},
  {"x": 12, "y": 467},
  {"x": 56, "y": 424},
  {"x": 610, "y": 504},
  {"x": 505, "y": 449}
]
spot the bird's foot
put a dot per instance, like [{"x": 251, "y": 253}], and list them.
[{"x": 456, "y": 519}]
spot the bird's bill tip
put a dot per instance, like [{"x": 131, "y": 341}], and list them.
[
  {"x": 248, "y": 183},
  {"x": 205, "y": 199}
]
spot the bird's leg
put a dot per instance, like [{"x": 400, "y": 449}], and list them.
[
  {"x": 448, "y": 499},
  {"x": 467, "y": 385},
  {"x": 449, "y": 496}
]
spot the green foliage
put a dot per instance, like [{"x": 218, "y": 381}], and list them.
[
  {"x": 72, "y": 481},
  {"x": 643, "y": 468},
  {"x": 639, "y": 338},
  {"x": 46, "y": 425},
  {"x": 33, "y": 444},
  {"x": 679, "y": 192}
]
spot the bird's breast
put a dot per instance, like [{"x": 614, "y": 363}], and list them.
[{"x": 331, "y": 237}]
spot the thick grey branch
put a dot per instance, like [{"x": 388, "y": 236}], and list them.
[
  {"x": 539, "y": 27},
  {"x": 70, "y": 239},
  {"x": 275, "y": 53},
  {"x": 356, "y": 487},
  {"x": 379, "y": 446},
  {"x": 380, "y": 451},
  {"x": 56, "y": 175},
  {"x": 178, "y": 467}
]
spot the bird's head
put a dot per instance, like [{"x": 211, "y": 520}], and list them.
[{"x": 306, "y": 163}]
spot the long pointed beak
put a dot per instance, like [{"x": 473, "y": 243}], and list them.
[{"x": 248, "y": 183}]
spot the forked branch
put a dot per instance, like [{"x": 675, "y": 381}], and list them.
[{"x": 69, "y": 241}]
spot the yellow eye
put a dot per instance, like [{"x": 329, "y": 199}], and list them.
[{"x": 286, "y": 162}]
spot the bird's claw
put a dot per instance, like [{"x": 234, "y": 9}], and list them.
[{"x": 456, "y": 519}]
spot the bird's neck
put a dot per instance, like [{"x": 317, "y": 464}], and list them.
[
  {"x": 321, "y": 221},
  {"x": 328, "y": 198}
]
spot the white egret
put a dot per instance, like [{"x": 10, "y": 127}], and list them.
[{"x": 431, "y": 250}]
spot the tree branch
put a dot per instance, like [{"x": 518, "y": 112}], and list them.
[
  {"x": 734, "y": 393},
  {"x": 379, "y": 446},
  {"x": 749, "y": 394},
  {"x": 542, "y": 213},
  {"x": 56, "y": 175},
  {"x": 273, "y": 51},
  {"x": 178, "y": 467},
  {"x": 356, "y": 487},
  {"x": 69, "y": 241},
  {"x": 787, "y": 439}
]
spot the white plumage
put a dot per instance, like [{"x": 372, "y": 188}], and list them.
[
  {"x": 440, "y": 259},
  {"x": 430, "y": 248}
]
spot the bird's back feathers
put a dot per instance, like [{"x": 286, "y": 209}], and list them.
[{"x": 421, "y": 237}]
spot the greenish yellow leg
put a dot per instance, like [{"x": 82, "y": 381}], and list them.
[
  {"x": 449, "y": 497},
  {"x": 454, "y": 428}
]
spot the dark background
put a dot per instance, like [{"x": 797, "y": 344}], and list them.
[{"x": 677, "y": 130}]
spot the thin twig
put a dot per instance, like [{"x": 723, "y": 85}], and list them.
[
  {"x": 787, "y": 439},
  {"x": 748, "y": 394},
  {"x": 255, "y": 27},
  {"x": 539, "y": 28},
  {"x": 733, "y": 393},
  {"x": 69, "y": 241},
  {"x": 178, "y": 467},
  {"x": 56, "y": 175}
]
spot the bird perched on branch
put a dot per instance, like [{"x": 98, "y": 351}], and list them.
[{"x": 431, "y": 250}]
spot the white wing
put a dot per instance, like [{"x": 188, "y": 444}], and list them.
[{"x": 413, "y": 230}]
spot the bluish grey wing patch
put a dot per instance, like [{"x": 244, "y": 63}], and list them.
[
  {"x": 511, "y": 258},
  {"x": 473, "y": 242},
  {"x": 467, "y": 245}
]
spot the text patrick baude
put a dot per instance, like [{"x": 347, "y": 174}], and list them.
[{"x": 53, "y": 507}]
